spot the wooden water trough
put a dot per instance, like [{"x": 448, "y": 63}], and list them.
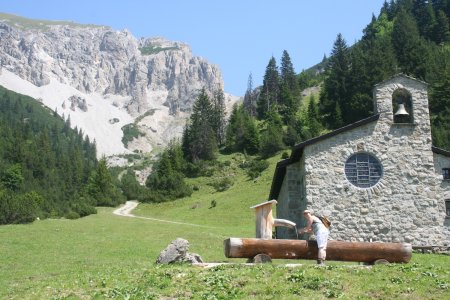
[
  {"x": 266, "y": 248},
  {"x": 336, "y": 250}
]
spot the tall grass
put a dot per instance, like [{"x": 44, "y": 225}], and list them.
[{"x": 106, "y": 256}]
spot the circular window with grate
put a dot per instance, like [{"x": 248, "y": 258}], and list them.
[{"x": 363, "y": 170}]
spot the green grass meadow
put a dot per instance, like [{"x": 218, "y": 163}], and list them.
[{"x": 105, "y": 256}]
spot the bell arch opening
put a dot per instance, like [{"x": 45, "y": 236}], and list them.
[{"x": 402, "y": 107}]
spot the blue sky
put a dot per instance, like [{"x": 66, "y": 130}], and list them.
[{"x": 240, "y": 36}]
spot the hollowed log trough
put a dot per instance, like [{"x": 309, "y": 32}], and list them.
[{"x": 336, "y": 250}]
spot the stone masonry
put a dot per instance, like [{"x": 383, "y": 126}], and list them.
[{"x": 406, "y": 205}]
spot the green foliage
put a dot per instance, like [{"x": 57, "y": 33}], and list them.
[
  {"x": 130, "y": 132},
  {"x": 152, "y": 49},
  {"x": 335, "y": 94},
  {"x": 242, "y": 134},
  {"x": 101, "y": 187},
  {"x": 271, "y": 139},
  {"x": 19, "y": 208},
  {"x": 440, "y": 107},
  {"x": 113, "y": 257},
  {"x": 270, "y": 90},
  {"x": 411, "y": 51},
  {"x": 205, "y": 130},
  {"x": 221, "y": 184},
  {"x": 131, "y": 188},
  {"x": 254, "y": 167},
  {"x": 166, "y": 182},
  {"x": 13, "y": 178},
  {"x": 409, "y": 37},
  {"x": 44, "y": 163}
]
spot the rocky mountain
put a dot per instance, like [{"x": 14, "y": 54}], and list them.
[{"x": 106, "y": 80}]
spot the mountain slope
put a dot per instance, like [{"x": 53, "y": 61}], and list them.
[{"x": 104, "y": 79}]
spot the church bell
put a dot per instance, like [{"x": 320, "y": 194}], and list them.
[{"x": 401, "y": 111}]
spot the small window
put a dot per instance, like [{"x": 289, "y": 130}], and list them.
[
  {"x": 447, "y": 208},
  {"x": 363, "y": 170},
  {"x": 446, "y": 173}
]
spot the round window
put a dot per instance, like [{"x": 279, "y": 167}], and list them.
[{"x": 363, "y": 170}]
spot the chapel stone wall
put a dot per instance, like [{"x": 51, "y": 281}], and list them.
[{"x": 406, "y": 205}]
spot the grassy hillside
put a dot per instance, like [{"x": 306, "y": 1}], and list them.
[{"x": 106, "y": 256}]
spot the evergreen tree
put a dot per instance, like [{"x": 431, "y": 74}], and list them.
[
  {"x": 442, "y": 29},
  {"x": 199, "y": 140},
  {"x": 335, "y": 92},
  {"x": 287, "y": 73},
  {"x": 440, "y": 106},
  {"x": 314, "y": 124},
  {"x": 102, "y": 188},
  {"x": 218, "y": 116},
  {"x": 13, "y": 178},
  {"x": 272, "y": 136},
  {"x": 242, "y": 133},
  {"x": 250, "y": 97},
  {"x": 410, "y": 50},
  {"x": 166, "y": 181},
  {"x": 270, "y": 89}
]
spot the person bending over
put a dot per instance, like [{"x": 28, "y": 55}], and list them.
[{"x": 314, "y": 225}]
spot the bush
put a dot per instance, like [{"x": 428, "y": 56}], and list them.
[
  {"x": 222, "y": 184},
  {"x": 285, "y": 155},
  {"x": 16, "y": 209},
  {"x": 200, "y": 168},
  {"x": 130, "y": 132},
  {"x": 83, "y": 208},
  {"x": 254, "y": 167},
  {"x": 71, "y": 215}
]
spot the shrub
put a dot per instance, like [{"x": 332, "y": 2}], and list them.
[
  {"x": 222, "y": 184},
  {"x": 16, "y": 209},
  {"x": 71, "y": 215},
  {"x": 130, "y": 132},
  {"x": 213, "y": 204},
  {"x": 254, "y": 167}
]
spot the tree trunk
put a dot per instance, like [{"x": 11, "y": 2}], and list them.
[{"x": 300, "y": 249}]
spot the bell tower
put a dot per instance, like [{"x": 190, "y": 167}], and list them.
[{"x": 402, "y": 101}]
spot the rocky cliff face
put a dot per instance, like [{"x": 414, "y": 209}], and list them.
[{"x": 89, "y": 71}]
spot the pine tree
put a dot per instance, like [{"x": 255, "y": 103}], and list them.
[
  {"x": 313, "y": 118},
  {"x": 287, "y": 73},
  {"x": 411, "y": 52},
  {"x": 102, "y": 188},
  {"x": 242, "y": 134},
  {"x": 249, "y": 97},
  {"x": 442, "y": 29},
  {"x": 270, "y": 89},
  {"x": 166, "y": 179},
  {"x": 218, "y": 116},
  {"x": 336, "y": 85},
  {"x": 199, "y": 141},
  {"x": 440, "y": 106},
  {"x": 272, "y": 136}
]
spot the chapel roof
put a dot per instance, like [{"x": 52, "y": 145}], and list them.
[{"x": 297, "y": 152}]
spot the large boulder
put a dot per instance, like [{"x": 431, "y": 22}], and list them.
[{"x": 177, "y": 251}]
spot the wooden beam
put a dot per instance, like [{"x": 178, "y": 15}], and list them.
[{"x": 301, "y": 249}]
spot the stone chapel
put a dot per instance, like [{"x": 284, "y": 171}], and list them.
[{"x": 379, "y": 179}]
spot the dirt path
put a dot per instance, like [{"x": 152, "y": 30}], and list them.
[{"x": 125, "y": 211}]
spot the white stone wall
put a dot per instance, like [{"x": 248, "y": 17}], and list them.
[{"x": 406, "y": 205}]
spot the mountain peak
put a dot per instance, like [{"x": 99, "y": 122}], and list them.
[{"x": 115, "y": 77}]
